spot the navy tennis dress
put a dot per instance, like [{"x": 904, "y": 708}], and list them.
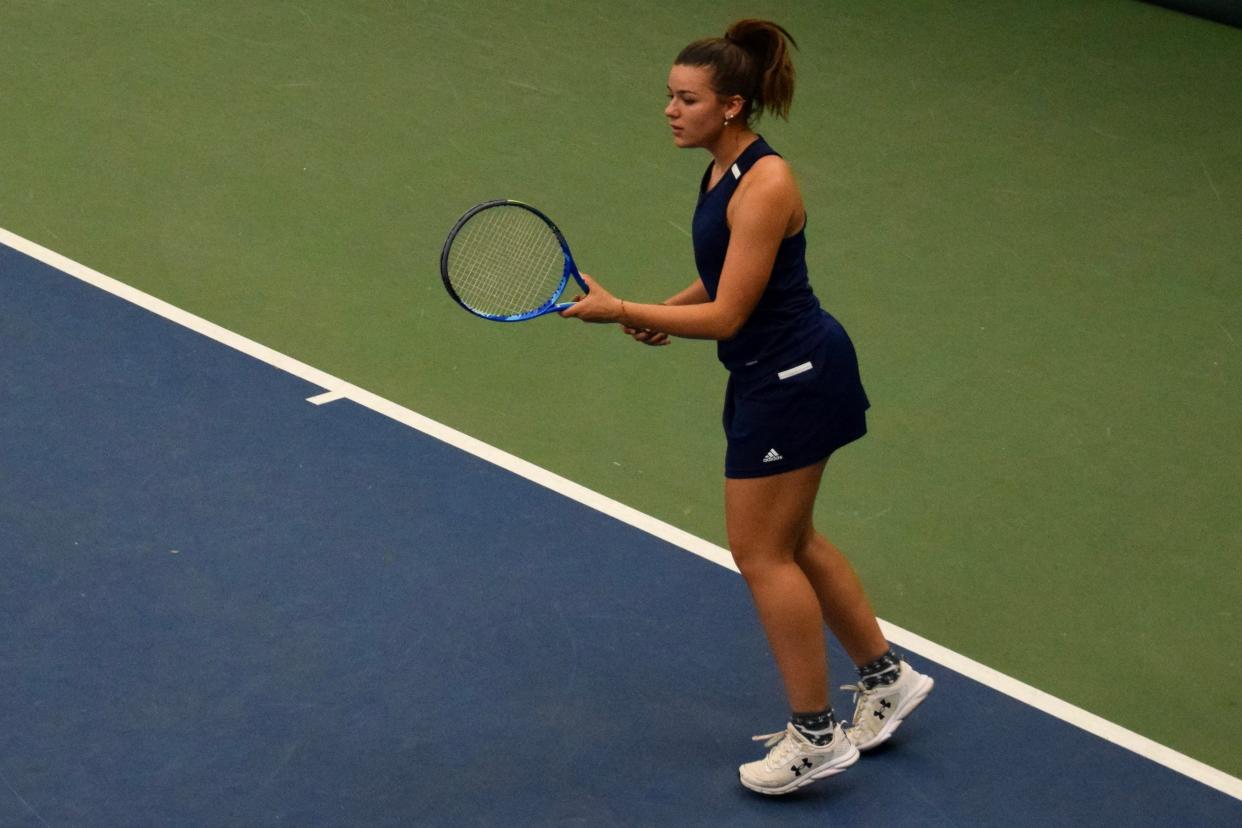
[{"x": 794, "y": 394}]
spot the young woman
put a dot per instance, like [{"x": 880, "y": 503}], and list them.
[{"x": 794, "y": 396}]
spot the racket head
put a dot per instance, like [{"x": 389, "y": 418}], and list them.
[{"x": 506, "y": 261}]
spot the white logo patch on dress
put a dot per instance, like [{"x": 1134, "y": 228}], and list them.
[
  {"x": 794, "y": 371},
  {"x": 772, "y": 456}
]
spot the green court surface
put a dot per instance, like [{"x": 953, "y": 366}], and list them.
[{"x": 1028, "y": 215}]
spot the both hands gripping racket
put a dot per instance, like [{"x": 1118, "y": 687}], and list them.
[{"x": 506, "y": 261}]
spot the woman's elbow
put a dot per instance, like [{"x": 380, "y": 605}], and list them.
[{"x": 729, "y": 326}]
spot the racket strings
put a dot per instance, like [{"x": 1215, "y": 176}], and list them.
[{"x": 506, "y": 261}]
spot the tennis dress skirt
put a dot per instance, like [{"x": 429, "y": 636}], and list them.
[{"x": 781, "y": 417}]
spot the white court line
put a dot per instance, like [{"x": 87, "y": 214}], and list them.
[
  {"x": 905, "y": 639},
  {"x": 326, "y": 397}
]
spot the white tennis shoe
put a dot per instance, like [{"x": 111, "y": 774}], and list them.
[
  {"x": 793, "y": 761},
  {"x": 880, "y": 711}
]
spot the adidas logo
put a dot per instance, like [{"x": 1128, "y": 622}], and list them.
[{"x": 772, "y": 456}]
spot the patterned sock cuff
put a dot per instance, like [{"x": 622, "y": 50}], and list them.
[
  {"x": 816, "y": 727},
  {"x": 882, "y": 671}
]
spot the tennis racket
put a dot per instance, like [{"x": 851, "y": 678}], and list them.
[{"x": 506, "y": 261}]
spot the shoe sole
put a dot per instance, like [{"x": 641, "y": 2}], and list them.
[
  {"x": 822, "y": 772},
  {"x": 912, "y": 701}
]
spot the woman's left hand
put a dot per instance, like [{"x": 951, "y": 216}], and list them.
[{"x": 597, "y": 306}]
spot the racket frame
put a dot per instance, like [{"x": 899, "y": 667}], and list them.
[{"x": 551, "y": 305}]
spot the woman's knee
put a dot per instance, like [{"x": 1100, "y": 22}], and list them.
[{"x": 757, "y": 560}]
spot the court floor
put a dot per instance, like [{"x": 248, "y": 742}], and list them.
[
  {"x": 233, "y": 596},
  {"x": 1026, "y": 214}
]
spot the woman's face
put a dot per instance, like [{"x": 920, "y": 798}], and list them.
[{"x": 695, "y": 112}]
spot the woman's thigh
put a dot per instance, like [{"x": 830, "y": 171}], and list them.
[{"x": 769, "y": 518}]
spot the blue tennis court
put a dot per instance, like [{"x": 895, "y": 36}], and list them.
[{"x": 225, "y": 605}]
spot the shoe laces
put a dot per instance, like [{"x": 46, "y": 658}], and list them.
[
  {"x": 782, "y": 745},
  {"x": 861, "y": 692},
  {"x": 857, "y": 689}
]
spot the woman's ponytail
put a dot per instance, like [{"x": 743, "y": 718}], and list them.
[{"x": 752, "y": 60}]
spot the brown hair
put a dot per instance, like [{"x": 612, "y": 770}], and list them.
[{"x": 751, "y": 60}]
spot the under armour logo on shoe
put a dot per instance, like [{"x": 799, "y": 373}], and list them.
[
  {"x": 878, "y": 714},
  {"x": 797, "y": 769},
  {"x": 772, "y": 456}
]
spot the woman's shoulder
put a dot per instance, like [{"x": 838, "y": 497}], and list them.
[{"x": 770, "y": 177}]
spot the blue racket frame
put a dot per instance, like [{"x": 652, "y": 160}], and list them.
[{"x": 551, "y": 306}]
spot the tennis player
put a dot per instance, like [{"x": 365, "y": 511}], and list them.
[{"x": 794, "y": 397}]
